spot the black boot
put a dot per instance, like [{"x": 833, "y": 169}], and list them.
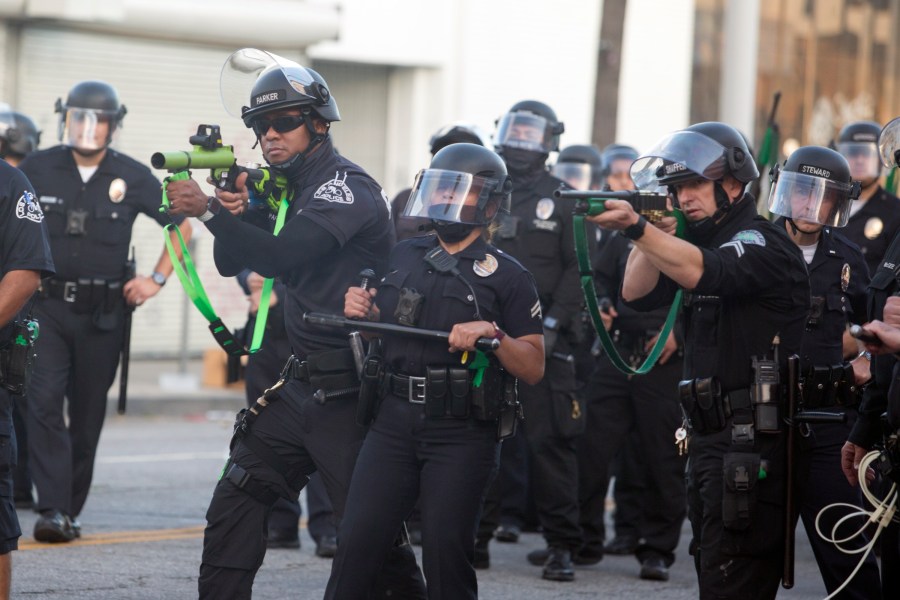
[{"x": 559, "y": 565}]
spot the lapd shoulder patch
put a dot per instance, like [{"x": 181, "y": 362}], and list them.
[
  {"x": 742, "y": 238},
  {"x": 335, "y": 190},
  {"x": 28, "y": 208}
]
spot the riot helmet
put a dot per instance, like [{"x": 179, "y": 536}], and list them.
[
  {"x": 276, "y": 83},
  {"x": 89, "y": 106},
  {"x": 19, "y": 135},
  {"x": 465, "y": 183},
  {"x": 529, "y": 125},
  {"x": 709, "y": 151},
  {"x": 455, "y": 133},
  {"x": 617, "y": 161},
  {"x": 815, "y": 186},
  {"x": 858, "y": 143},
  {"x": 579, "y": 166},
  {"x": 889, "y": 144}
]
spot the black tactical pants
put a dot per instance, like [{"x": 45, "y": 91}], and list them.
[
  {"x": 737, "y": 564},
  {"x": 263, "y": 369},
  {"x": 307, "y": 437},
  {"x": 645, "y": 407},
  {"x": 77, "y": 361},
  {"x": 827, "y": 485},
  {"x": 9, "y": 521},
  {"x": 445, "y": 464}
]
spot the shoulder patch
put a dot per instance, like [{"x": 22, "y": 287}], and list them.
[
  {"x": 28, "y": 208},
  {"x": 749, "y": 236},
  {"x": 335, "y": 190}
]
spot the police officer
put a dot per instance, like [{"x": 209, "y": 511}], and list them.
[
  {"x": 875, "y": 215},
  {"x": 747, "y": 289},
  {"x": 631, "y": 418},
  {"x": 24, "y": 259},
  {"x": 19, "y": 136},
  {"x": 339, "y": 224},
  {"x": 91, "y": 195},
  {"x": 880, "y": 395},
  {"x": 813, "y": 193},
  {"x": 436, "y": 434},
  {"x": 538, "y": 232},
  {"x": 454, "y": 133},
  {"x": 264, "y": 367}
]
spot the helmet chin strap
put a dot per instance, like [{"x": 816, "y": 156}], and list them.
[
  {"x": 792, "y": 225},
  {"x": 315, "y": 138},
  {"x": 705, "y": 227}
]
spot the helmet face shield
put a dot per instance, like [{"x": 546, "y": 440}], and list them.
[
  {"x": 525, "y": 131},
  {"x": 453, "y": 197},
  {"x": 242, "y": 70},
  {"x": 803, "y": 197},
  {"x": 864, "y": 159},
  {"x": 679, "y": 156},
  {"x": 87, "y": 128},
  {"x": 889, "y": 144},
  {"x": 577, "y": 175}
]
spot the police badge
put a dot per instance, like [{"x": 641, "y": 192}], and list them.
[
  {"x": 485, "y": 267},
  {"x": 845, "y": 277},
  {"x": 873, "y": 228},
  {"x": 544, "y": 208},
  {"x": 117, "y": 190}
]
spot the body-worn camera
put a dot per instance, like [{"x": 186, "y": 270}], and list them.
[
  {"x": 409, "y": 306},
  {"x": 17, "y": 356}
]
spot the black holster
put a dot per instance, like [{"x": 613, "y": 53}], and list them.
[
  {"x": 704, "y": 404},
  {"x": 372, "y": 384},
  {"x": 740, "y": 473},
  {"x": 17, "y": 355}
]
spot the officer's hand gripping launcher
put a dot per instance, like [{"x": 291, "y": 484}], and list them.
[
  {"x": 210, "y": 153},
  {"x": 651, "y": 205}
]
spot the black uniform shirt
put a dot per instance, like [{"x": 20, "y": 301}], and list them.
[
  {"x": 110, "y": 201},
  {"x": 838, "y": 277},
  {"x": 883, "y": 393},
  {"x": 505, "y": 291},
  {"x": 874, "y": 226},
  {"x": 23, "y": 234},
  {"x": 341, "y": 198},
  {"x": 538, "y": 233},
  {"x": 609, "y": 271},
  {"x": 754, "y": 286}
]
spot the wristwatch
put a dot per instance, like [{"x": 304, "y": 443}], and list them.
[
  {"x": 212, "y": 209},
  {"x": 499, "y": 334},
  {"x": 158, "y": 278},
  {"x": 865, "y": 353},
  {"x": 634, "y": 232}
]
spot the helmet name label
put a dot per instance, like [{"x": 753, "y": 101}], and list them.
[
  {"x": 817, "y": 171},
  {"x": 268, "y": 97},
  {"x": 675, "y": 168}
]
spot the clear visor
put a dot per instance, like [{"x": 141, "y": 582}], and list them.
[
  {"x": 244, "y": 67},
  {"x": 679, "y": 153},
  {"x": 450, "y": 196},
  {"x": 525, "y": 131},
  {"x": 803, "y": 197},
  {"x": 87, "y": 128},
  {"x": 577, "y": 175},
  {"x": 889, "y": 144},
  {"x": 863, "y": 158},
  {"x": 6, "y": 118}
]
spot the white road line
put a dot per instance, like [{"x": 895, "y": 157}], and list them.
[{"x": 175, "y": 456}]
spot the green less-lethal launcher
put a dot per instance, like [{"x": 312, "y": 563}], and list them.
[
  {"x": 651, "y": 205},
  {"x": 208, "y": 153}
]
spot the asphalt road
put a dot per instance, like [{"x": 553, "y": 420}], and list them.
[{"x": 142, "y": 533}]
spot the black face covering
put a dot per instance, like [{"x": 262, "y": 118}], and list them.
[
  {"x": 452, "y": 233},
  {"x": 521, "y": 162}
]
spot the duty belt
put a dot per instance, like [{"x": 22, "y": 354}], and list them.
[
  {"x": 408, "y": 387},
  {"x": 70, "y": 291}
]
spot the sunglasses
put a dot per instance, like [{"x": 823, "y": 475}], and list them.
[{"x": 281, "y": 124}]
